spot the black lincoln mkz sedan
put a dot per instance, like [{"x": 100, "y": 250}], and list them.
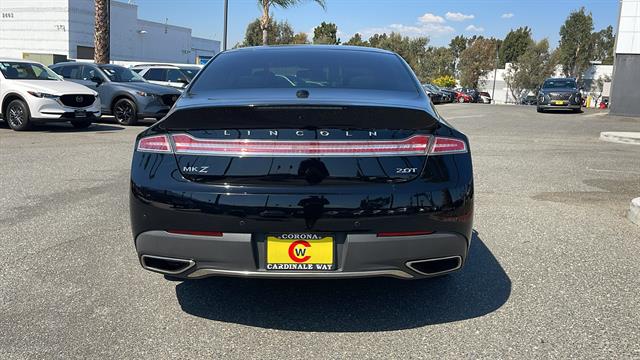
[{"x": 302, "y": 162}]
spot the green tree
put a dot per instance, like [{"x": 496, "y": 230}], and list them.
[
  {"x": 326, "y": 33},
  {"x": 377, "y": 39},
  {"x": 531, "y": 68},
  {"x": 300, "y": 38},
  {"x": 576, "y": 43},
  {"x": 413, "y": 51},
  {"x": 356, "y": 40},
  {"x": 279, "y": 33},
  {"x": 265, "y": 20},
  {"x": 476, "y": 61},
  {"x": 457, "y": 45},
  {"x": 603, "y": 41},
  {"x": 515, "y": 44},
  {"x": 438, "y": 61}
]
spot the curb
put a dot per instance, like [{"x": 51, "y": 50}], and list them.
[
  {"x": 621, "y": 137},
  {"x": 634, "y": 211}
]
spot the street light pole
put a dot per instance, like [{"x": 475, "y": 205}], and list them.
[
  {"x": 495, "y": 74},
  {"x": 224, "y": 32}
]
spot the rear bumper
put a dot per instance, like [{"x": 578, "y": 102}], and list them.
[
  {"x": 356, "y": 255},
  {"x": 560, "y": 107}
]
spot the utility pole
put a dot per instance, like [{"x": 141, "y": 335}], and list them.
[
  {"x": 495, "y": 74},
  {"x": 224, "y": 33}
]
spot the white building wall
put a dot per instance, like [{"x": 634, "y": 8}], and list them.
[
  {"x": 628, "y": 39},
  {"x": 624, "y": 88},
  {"x": 34, "y": 26},
  {"x": 60, "y": 26},
  {"x": 503, "y": 94}
]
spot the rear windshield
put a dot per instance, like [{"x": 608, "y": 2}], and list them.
[
  {"x": 558, "y": 84},
  {"x": 305, "y": 68}
]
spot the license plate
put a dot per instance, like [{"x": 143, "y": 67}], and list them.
[
  {"x": 80, "y": 114},
  {"x": 299, "y": 252},
  {"x": 559, "y": 102}
]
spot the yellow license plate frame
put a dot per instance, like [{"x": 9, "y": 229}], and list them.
[
  {"x": 559, "y": 102},
  {"x": 300, "y": 252}
]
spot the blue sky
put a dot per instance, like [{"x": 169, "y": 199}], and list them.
[{"x": 439, "y": 20}]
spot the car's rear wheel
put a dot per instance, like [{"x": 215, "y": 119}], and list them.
[
  {"x": 125, "y": 112},
  {"x": 539, "y": 109},
  {"x": 17, "y": 115},
  {"x": 577, "y": 111},
  {"x": 81, "y": 124}
]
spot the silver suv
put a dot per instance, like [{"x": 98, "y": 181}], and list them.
[
  {"x": 167, "y": 75},
  {"x": 124, "y": 94}
]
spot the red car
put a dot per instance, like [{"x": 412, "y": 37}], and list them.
[{"x": 463, "y": 98}]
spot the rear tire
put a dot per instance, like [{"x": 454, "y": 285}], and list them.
[
  {"x": 539, "y": 109},
  {"x": 125, "y": 112},
  {"x": 577, "y": 111},
  {"x": 81, "y": 124},
  {"x": 17, "y": 115}
]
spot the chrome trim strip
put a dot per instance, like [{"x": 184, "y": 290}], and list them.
[
  {"x": 410, "y": 263},
  {"x": 300, "y": 275},
  {"x": 190, "y": 264}
]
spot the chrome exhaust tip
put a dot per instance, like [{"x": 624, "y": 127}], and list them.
[
  {"x": 435, "y": 266},
  {"x": 166, "y": 265}
]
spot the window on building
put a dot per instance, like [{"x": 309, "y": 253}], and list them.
[
  {"x": 156, "y": 75},
  {"x": 84, "y": 52}
]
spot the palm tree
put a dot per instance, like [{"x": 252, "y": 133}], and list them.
[
  {"x": 102, "y": 38},
  {"x": 266, "y": 6}
]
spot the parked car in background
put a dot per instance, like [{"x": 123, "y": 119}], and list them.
[
  {"x": 124, "y": 94},
  {"x": 433, "y": 94},
  {"x": 437, "y": 96},
  {"x": 484, "y": 97},
  {"x": 31, "y": 93},
  {"x": 463, "y": 97},
  {"x": 190, "y": 70},
  {"x": 452, "y": 94},
  {"x": 370, "y": 180},
  {"x": 559, "y": 94},
  {"x": 167, "y": 75},
  {"x": 528, "y": 97},
  {"x": 446, "y": 95}
]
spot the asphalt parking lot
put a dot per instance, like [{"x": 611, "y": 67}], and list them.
[{"x": 552, "y": 273}]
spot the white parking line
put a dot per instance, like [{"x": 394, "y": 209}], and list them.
[
  {"x": 464, "y": 116},
  {"x": 614, "y": 171}
]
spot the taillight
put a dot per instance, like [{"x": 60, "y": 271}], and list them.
[
  {"x": 442, "y": 146},
  {"x": 411, "y": 146},
  {"x": 156, "y": 143}
]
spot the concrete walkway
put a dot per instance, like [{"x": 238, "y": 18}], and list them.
[{"x": 621, "y": 137}]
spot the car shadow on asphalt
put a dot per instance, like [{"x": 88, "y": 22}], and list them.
[
  {"x": 66, "y": 127},
  {"x": 354, "y": 305}
]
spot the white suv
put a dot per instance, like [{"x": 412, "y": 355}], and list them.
[
  {"x": 167, "y": 75},
  {"x": 32, "y": 93}
]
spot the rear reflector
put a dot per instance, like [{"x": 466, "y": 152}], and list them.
[
  {"x": 443, "y": 146},
  {"x": 193, "y": 232},
  {"x": 404, "y": 233},
  {"x": 412, "y": 146},
  {"x": 156, "y": 143}
]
